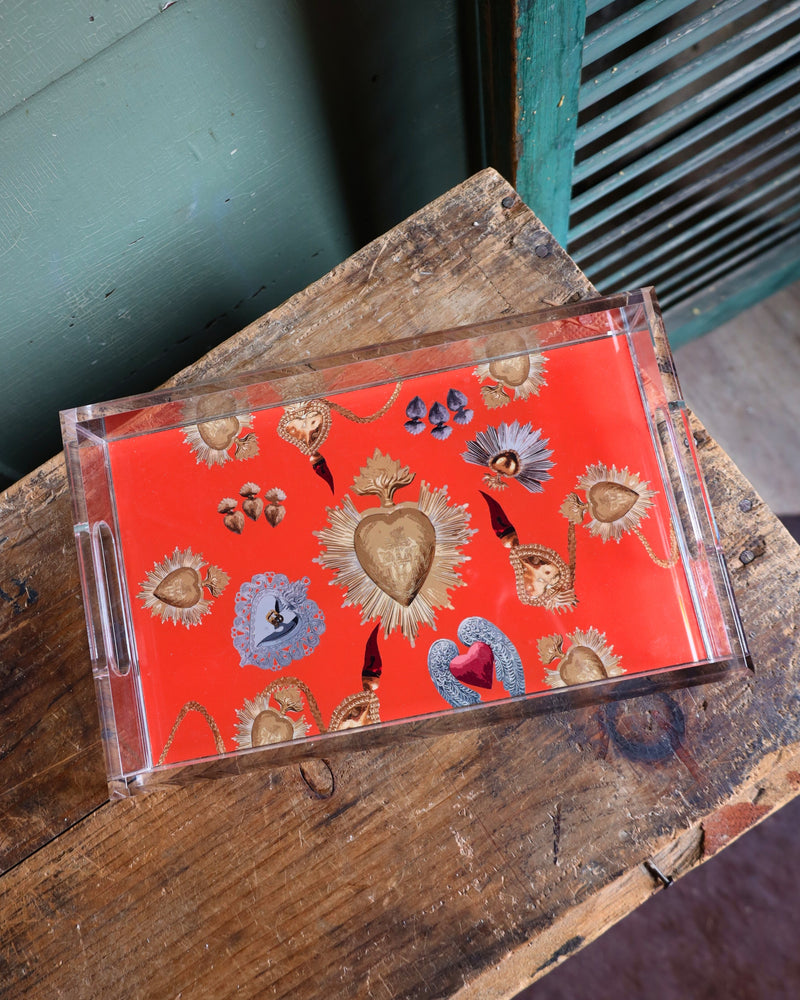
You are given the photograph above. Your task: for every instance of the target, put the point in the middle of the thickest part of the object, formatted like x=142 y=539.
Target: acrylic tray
x=502 y=514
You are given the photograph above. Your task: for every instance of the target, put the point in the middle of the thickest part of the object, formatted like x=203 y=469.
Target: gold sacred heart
x=219 y=434
x=511 y=371
x=181 y=588
x=306 y=425
x=396 y=550
x=610 y=501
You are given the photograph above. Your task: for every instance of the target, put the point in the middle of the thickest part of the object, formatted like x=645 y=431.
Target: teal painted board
x=186 y=178
x=549 y=44
x=42 y=40
x=143 y=194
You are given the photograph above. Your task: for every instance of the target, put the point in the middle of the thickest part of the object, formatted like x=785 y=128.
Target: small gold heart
x=396 y=550
x=269 y=727
x=219 y=434
x=581 y=664
x=610 y=501
x=511 y=371
x=306 y=425
x=181 y=588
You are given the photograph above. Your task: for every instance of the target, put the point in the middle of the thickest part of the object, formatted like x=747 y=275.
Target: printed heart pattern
x=306 y=426
x=490 y=656
x=610 y=501
x=181 y=588
x=219 y=434
x=475 y=667
x=396 y=550
x=511 y=371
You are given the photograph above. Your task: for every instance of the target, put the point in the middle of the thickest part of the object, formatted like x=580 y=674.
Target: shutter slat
x=627 y=26
x=754 y=225
x=678 y=79
x=690 y=166
x=708 y=277
x=732 y=203
x=595 y=6
x=696 y=135
x=672 y=118
x=728 y=231
x=662 y=49
x=649 y=218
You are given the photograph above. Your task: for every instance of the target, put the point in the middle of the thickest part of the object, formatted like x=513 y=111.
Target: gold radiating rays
x=397 y=562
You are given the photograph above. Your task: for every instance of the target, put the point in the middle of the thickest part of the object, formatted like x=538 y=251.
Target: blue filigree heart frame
x=275 y=621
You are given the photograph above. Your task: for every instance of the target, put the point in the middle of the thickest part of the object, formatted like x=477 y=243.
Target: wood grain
x=466 y=864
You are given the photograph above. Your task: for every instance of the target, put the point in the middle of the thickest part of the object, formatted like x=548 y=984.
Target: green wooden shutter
x=659 y=142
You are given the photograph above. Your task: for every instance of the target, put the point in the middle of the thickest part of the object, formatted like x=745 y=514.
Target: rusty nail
x=655 y=871
x=543 y=250
x=747 y=556
x=745 y=505
x=508 y=201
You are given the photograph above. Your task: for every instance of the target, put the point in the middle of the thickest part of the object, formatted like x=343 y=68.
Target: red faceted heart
x=475 y=667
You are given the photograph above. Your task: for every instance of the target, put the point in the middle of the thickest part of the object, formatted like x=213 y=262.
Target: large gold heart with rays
x=395 y=549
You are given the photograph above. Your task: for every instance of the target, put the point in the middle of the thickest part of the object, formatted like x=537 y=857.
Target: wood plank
x=433 y=865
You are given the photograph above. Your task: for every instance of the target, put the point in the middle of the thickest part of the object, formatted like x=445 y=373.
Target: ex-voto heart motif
x=398 y=561
x=490 y=654
x=306 y=426
x=520 y=374
x=216 y=431
x=174 y=589
x=617 y=500
x=589 y=658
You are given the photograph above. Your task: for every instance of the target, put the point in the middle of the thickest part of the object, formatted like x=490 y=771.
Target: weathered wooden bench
x=463 y=865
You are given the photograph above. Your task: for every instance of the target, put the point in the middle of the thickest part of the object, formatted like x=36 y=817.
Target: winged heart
x=475 y=667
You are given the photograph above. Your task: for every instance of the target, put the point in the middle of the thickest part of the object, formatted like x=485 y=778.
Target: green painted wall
x=167 y=177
